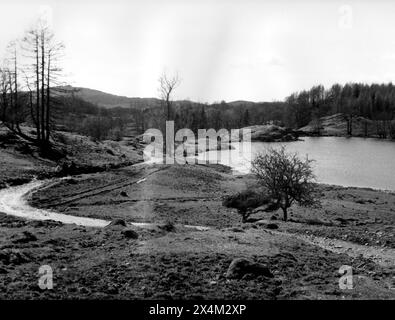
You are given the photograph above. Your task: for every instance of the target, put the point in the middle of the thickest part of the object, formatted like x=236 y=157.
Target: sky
x=221 y=50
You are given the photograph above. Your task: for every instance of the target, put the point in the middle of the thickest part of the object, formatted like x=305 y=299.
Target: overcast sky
x=222 y=50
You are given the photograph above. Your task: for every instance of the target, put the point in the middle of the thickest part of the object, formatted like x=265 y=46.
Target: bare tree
x=286 y=178
x=43 y=55
x=11 y=102
x=167 y=85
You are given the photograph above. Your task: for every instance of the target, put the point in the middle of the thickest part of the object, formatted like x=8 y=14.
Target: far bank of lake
x=357 y=162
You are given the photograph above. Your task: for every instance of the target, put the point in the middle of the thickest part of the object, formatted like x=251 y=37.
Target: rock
x=240 y=267
x=130 y=234
x=110 y=152
x=25 y=237
x=124 y=194
x=272 y=133
x=272 y=226
x=168 y=227
x=117 y=222
x=235 y=229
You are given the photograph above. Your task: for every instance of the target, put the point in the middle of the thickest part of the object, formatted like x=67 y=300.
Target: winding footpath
x=13 y=201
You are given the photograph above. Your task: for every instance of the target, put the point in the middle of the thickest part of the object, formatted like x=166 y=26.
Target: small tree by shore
x=287 y=178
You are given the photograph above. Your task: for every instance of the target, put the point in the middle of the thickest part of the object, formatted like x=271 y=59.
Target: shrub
x=246 y=201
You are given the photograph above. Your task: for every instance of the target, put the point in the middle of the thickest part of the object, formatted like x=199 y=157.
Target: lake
x=358 y=162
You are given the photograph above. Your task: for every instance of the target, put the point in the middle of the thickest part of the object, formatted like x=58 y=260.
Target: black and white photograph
x=197 y=150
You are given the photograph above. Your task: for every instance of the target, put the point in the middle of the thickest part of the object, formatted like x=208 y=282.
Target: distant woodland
x=372 y=102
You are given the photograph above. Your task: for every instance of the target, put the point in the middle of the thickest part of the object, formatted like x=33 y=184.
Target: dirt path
x=13 y=201
x=382 y=256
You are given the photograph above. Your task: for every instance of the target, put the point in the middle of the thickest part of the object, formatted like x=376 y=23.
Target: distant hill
x=107 y=100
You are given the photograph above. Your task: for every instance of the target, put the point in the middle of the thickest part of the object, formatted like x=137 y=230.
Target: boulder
x=272 y=133
x=130 y=234
x=168 y=227
x=272 y=226
x=240 y=267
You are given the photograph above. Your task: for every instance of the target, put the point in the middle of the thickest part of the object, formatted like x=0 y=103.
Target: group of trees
x=193 y=115
x=375 y=102
x=27 y=79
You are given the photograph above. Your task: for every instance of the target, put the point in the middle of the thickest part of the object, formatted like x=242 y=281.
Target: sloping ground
x=336 y=125
x=20 y=161
x=174 y=262
x=108 y=100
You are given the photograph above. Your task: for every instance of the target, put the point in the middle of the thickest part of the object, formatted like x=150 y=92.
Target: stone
x=272 y=226
x=239 y=267
x=117 y=222
x=130 y=234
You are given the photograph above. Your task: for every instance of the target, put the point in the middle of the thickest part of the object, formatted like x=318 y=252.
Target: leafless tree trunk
x=42 y=53
x=166 y=88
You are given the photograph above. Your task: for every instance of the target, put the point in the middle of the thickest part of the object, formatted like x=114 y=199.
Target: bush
x=246 y=201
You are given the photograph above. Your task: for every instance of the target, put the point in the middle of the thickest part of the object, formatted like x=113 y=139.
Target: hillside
x=107 y=100
x=336 y=125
